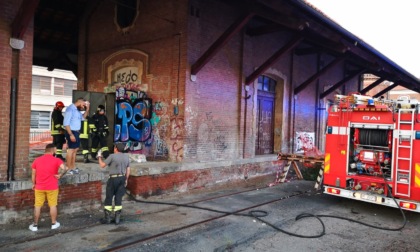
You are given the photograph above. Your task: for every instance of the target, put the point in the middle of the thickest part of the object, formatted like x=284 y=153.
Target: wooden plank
x=220 y=42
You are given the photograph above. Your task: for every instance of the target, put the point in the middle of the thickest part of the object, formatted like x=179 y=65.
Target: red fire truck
x=372 y=151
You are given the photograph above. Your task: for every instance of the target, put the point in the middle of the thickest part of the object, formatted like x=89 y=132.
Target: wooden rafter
x=318 y=74
x=385 y=90
x=371 y=86
x=273 y=59
x=220 y=42
x=342 y=82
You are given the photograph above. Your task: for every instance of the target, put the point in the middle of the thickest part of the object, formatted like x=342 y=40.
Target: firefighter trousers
x=58 y=141
x=115 y=187
x=96 y=140
x=84 y=142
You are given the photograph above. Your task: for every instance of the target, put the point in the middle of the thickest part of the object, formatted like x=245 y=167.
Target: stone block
x=96 y=176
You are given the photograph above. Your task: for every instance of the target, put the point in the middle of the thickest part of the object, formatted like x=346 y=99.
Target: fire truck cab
x=372 y=151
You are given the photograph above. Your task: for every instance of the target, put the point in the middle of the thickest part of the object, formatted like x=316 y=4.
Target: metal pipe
x=12 y=133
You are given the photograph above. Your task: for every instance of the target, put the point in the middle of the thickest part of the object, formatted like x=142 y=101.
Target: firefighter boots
x=86 y=158
x=117 y=217
x=107 y=218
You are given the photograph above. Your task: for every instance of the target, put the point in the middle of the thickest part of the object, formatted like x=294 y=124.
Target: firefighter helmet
x=59 y=104
x=101 y=107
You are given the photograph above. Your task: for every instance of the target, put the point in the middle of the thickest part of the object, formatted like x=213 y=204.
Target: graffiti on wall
x=133 y=111
x=304 y=141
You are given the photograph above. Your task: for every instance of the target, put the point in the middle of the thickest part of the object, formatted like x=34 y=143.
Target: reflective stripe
x=327 y=163
x=84 y=132
x=117 y=208
x=417 y=175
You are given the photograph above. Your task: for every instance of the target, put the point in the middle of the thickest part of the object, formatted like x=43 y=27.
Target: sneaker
x=56 y=225
x=33 y=227
x=73 y=172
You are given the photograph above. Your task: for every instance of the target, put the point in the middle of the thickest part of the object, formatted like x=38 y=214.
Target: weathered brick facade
x=206 y=118
x=15 y=64
x=18 y=203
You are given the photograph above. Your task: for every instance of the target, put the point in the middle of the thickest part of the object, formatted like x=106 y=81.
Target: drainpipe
x=11 y=156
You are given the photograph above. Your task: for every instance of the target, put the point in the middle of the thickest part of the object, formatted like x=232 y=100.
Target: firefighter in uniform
x=119 y=172
x=57 y=129
x=84 y=139
x=99 y=131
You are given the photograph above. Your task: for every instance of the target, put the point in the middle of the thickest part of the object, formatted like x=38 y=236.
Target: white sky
x=392 y=27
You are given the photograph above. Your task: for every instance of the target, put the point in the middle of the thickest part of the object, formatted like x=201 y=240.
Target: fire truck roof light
x=417 y=134
x=333 y=190
x=408 y=205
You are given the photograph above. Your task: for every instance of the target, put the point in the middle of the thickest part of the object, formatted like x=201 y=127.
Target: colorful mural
x=133 y=113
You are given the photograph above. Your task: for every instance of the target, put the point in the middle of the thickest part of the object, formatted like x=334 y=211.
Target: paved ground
x=156 y=227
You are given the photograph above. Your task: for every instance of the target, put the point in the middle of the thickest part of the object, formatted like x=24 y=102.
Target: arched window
x=266 y=84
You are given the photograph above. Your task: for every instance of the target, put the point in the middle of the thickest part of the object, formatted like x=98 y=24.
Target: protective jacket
x=99 y=125
x=57 y=122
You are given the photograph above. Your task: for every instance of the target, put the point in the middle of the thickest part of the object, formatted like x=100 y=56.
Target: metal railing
x=39 y=136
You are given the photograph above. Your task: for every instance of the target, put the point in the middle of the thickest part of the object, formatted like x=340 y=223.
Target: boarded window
x=41 y=85
x=40 y=120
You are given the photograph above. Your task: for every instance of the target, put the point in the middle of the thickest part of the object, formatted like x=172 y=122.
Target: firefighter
x=84 y=139
x=57 y=129
x=99 y=131
x=119 y=172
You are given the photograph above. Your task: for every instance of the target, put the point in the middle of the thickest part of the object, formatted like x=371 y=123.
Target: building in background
x=394 y=94
x=48 y=87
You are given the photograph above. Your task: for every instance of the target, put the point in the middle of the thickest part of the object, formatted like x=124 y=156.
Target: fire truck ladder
x=403 y=172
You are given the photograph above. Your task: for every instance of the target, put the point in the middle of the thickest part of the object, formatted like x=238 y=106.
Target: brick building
x=209 y=91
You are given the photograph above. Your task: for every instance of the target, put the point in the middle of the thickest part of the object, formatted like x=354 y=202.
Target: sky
x=389 y=26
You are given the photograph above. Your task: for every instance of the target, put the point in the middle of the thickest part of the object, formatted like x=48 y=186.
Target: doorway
x=264 y=143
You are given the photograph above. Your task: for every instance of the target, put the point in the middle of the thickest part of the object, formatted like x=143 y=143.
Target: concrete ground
x=161 y=227
x=167 y=227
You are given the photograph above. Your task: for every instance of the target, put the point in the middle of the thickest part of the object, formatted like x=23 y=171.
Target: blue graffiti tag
x=131 y=121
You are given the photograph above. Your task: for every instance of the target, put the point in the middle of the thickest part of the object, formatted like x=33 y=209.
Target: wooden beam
x=273 y=59
x=220 y=42
x=385 y=90
x=342 y=82
x=23 y=17
x=318 y=74
x=308 y=51
x=372 y=85
x=262 y=30
x=267 y=13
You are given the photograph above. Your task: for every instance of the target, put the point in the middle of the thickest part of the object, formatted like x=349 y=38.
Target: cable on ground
x=259 y=214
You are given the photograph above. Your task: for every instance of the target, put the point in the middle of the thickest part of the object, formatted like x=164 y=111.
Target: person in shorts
x=45 y=176
x=72 y=122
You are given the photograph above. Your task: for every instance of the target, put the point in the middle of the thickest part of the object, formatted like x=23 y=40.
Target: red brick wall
x=159 y=32
x=22 y=201
x=22 y=70
x=9 y=9
x=151 y=185
x=214 y=121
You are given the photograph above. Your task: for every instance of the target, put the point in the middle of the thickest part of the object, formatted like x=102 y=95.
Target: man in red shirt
x=45 y=175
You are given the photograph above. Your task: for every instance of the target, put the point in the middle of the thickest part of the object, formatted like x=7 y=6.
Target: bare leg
x=37 y=213
x=70 y=158
x=74 y=157
x=53 y=213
